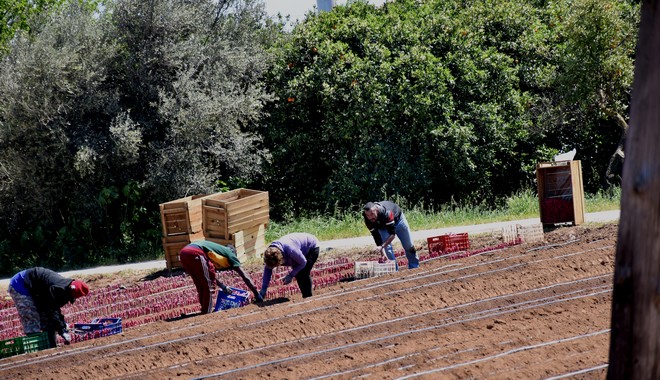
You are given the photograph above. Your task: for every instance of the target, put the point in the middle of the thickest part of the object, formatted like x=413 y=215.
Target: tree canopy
x=439 y=100
x=106 y=112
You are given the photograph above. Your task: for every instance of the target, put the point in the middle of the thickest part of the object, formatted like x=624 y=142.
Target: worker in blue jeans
x=385 y=221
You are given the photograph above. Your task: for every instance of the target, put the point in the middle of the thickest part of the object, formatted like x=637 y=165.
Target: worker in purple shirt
x=298 y=251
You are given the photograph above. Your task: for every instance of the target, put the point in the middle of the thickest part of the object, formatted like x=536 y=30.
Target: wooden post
x=635 y=337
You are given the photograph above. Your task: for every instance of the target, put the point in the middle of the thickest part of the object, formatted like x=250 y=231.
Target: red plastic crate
x=448 y=243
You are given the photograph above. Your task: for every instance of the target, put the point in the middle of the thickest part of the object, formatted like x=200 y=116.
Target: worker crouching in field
x=385 y=220
x=298 y=251
x=39 y=295
x=201 y=258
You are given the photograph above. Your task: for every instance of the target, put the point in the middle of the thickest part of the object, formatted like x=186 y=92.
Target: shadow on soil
x=274 y=301
x=183 y=316
x=163 y=273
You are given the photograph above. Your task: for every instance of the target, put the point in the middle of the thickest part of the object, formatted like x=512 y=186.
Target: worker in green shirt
x=201 y=258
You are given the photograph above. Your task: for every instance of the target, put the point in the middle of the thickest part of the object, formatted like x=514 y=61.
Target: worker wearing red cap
x=38 y=295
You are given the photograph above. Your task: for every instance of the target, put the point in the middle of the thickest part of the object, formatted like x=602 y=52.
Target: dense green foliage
x=106 y=112
x=15 y=14
x=440 y=100
x=104 y=115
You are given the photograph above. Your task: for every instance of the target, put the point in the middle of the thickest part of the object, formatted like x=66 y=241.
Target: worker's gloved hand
x=67 y=338
x=287 y=279
x=225 y=289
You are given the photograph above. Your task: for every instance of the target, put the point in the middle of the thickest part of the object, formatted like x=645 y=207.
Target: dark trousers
x=304 y=277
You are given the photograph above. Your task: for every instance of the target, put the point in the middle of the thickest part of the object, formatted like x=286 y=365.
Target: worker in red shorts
x=201 y=258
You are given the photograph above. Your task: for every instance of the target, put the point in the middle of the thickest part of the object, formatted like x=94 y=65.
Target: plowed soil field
x=530 y=311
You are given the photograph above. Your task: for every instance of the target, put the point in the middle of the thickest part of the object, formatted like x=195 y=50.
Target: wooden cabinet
x=561 y=192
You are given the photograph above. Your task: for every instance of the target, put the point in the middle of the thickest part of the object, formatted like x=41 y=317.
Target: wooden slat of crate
x=182 y=215
x=248 y=221
x=174 y=221
x=237 y=211
x=257 y=217
x=195 y=218
x=247 y=200
x=239 y=238
x=215 y=222
x=221 y=199
x=235 y=198
x=240 y=249
x=172 y=249
x=176 y=238
x=196 y=236
x=256 y=251
x=255 y=241
x=578 y=194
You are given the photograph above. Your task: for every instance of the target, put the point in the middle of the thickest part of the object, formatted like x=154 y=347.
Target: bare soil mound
x=527 y=311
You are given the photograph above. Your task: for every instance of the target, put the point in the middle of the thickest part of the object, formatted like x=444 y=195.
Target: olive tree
x=106 y=113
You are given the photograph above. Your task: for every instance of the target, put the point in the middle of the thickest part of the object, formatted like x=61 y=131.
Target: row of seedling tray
x=166 y=297
x=169 y=297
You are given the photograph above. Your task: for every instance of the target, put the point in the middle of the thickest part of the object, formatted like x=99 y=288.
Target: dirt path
x=529 y=311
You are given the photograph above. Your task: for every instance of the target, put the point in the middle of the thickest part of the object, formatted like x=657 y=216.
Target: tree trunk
x=635 y=337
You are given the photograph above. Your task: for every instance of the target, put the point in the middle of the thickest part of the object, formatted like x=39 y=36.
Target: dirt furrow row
x=494 y=315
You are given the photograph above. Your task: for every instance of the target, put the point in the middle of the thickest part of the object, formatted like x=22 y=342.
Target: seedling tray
x=226 y=301
x=100 y=327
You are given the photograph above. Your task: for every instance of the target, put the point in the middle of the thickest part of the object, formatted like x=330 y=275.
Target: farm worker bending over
x=201 y=258
x=39 y=294
x=298 y=251
x=385 y=220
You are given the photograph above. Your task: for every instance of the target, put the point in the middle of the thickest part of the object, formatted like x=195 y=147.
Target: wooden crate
x=225 y=214
x=182 y=216
x=254 y=240
x=561 y=192
x=248 y=243
x=172 y=245
x=172 y=249
x=238 y=217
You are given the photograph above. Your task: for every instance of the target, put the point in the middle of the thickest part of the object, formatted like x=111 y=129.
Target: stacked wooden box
x=561 y=193
x=238 y=217
x=182 y=223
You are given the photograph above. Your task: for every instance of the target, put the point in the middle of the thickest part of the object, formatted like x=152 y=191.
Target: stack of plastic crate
x=384 y=268
x=532 y=233
x=366 y=269
x=443 y=244
x=23 y=344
